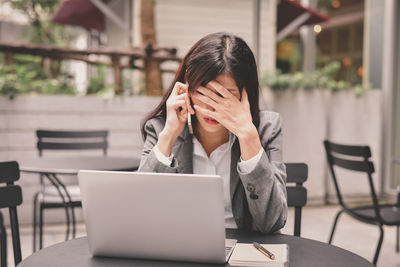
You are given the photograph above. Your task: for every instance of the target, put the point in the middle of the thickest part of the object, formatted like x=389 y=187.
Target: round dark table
x=71 y=165
x=302 y=252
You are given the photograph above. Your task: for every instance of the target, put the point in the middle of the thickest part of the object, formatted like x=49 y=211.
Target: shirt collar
x=199 y=150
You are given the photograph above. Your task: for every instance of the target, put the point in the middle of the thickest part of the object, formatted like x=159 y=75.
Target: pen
x=264 y=251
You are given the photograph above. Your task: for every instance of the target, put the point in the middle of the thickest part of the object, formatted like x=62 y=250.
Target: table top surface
x=72 y=164
x=302 y=252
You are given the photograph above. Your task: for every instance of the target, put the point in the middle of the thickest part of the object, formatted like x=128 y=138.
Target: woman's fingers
x=210 y=93
x=178 y=103
x=181 y=96
x=186 y=98
x=205 y=111
x=207 y=100
x=189 y=106
x=177 y=108
x=179 y=88
x=182 y=115
x=180 y=92
x=220 y=89
x=181 y=109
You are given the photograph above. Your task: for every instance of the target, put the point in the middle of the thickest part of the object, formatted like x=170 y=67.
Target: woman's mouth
x=211 y=121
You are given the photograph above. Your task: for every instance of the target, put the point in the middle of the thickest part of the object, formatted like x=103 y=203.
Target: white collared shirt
x=219 y=163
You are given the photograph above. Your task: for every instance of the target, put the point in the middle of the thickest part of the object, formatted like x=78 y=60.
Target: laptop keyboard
x=227 y=250
x=229 y=247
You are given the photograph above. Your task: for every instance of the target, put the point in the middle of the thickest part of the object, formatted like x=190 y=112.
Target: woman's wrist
x=166 y=140
x=249 y=141
x=247 y=132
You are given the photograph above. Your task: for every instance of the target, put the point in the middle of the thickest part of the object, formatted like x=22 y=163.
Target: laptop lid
x=154 y=215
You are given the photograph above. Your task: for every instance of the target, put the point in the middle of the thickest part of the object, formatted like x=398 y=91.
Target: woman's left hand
x=232 y=113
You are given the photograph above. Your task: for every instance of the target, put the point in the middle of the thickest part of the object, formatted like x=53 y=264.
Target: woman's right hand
x=178 y=106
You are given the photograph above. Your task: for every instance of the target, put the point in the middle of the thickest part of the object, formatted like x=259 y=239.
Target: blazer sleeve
x=149 y=161
x=265 y=185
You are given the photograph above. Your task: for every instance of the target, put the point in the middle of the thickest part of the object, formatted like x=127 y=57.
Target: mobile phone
x=190 y=123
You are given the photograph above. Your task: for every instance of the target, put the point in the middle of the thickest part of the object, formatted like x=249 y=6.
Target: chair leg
x=67 y=221
x=67 y=204
x=397 y=238
x=41 y=227
x=73 y=222
x=58 y=185
x=378 y=248
x=41 y=215
x=334 y=226
x=16 y=241
x=35 y=204
x=3 y=245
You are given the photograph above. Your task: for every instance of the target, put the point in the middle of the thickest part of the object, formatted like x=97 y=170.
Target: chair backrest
x=11 y=197
x=297 y=174
x=72 y=140
x=353 y=158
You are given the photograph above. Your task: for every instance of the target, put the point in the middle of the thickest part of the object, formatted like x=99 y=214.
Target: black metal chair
x=297 y=173
x=357 y=158
x=59 y=195
x=10 y=197
x=3 y=242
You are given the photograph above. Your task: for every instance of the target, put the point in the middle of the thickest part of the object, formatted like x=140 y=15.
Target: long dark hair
x=215 y=54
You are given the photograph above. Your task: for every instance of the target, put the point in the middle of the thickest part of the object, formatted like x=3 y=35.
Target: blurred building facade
x=14 y=25
x=362 y=35
x=391 y=90
x=357 y=35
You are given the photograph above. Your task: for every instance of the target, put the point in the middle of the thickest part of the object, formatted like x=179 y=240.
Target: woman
x=231 y=137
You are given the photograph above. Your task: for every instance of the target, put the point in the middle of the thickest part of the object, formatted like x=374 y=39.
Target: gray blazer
x=259 y=197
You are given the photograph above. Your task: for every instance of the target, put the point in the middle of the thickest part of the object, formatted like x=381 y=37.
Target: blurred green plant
x=32 y=74
x=26 y=76
x=323 y=78
x=127 y=84
x=97 y=84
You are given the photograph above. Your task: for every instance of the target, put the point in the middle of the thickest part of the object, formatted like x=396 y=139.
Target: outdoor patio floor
x=351 y=235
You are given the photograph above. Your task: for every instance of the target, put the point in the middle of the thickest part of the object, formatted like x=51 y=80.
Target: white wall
x=181 y=24
x=10 y=32
x=20 y=118
x=268 y=35
x=117 y=37
x=310 y=116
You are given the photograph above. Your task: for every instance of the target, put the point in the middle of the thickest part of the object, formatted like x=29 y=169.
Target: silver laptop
x=155 y=216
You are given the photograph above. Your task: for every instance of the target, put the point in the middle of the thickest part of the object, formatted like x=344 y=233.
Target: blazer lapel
x=184 y=151
x=235 y=156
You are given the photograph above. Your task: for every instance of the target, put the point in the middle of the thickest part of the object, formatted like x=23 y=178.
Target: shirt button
x=253 y=196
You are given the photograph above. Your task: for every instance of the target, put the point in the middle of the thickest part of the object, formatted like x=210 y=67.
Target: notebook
x=247 y=255
x=162 y=216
